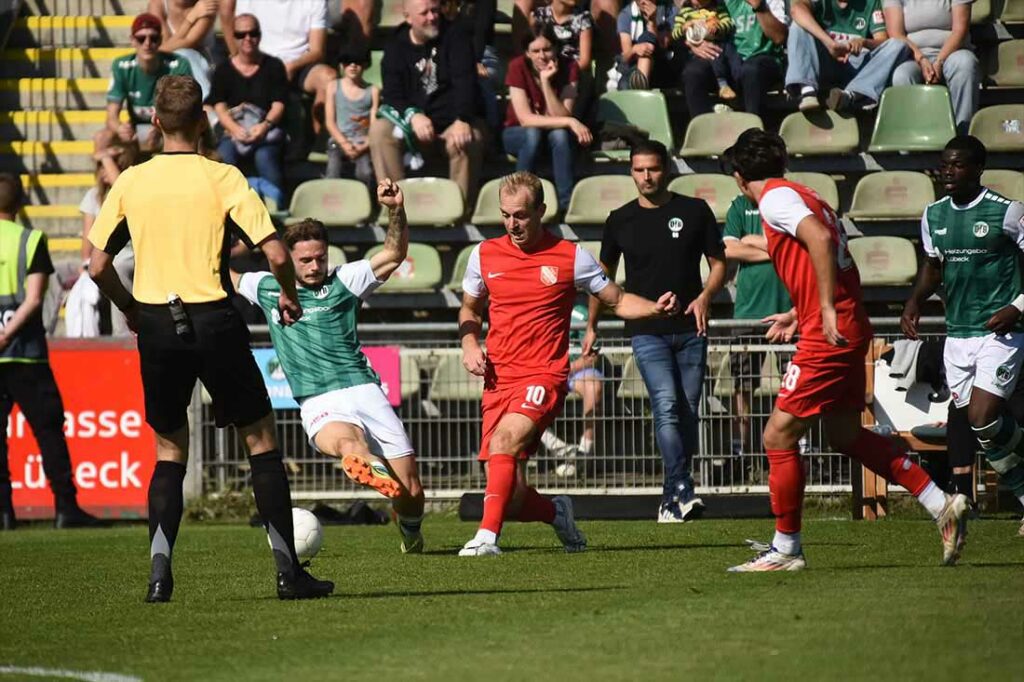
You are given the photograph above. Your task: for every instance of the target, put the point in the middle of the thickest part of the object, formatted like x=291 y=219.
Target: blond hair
x=511 y=184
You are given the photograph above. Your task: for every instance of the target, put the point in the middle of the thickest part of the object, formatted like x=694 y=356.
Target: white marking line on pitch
x=85 y=675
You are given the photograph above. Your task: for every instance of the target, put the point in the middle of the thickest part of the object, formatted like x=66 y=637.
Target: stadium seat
x=459 y=271
x=712 y=134
x=391 y=15
x=1007 y=68
x=722 y=384
x=421 y=271
x=595 y=197
x=372 y=74
x=819 y=132
x=451 y=381
x=1000 y=127
x=336 y=203
x=430 y=202
x=884 y=261
x=1008 y=183
x=771 y=375
x=488 y=212
x=1013 y=12
x=981 y=11
x=645 y=109
x=823 y=184
x=632 y=384
x=891 y=195
x=913 y=118
x=715 y=188
x=410 y=369
x=335 y=256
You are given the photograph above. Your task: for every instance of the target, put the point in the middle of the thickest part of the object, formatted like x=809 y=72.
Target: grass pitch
x=646 y=602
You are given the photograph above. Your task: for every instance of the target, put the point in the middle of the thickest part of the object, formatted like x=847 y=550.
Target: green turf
x=646 y=602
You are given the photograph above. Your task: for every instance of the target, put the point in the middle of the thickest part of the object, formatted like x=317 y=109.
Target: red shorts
x=541 y=400
x=824 y=381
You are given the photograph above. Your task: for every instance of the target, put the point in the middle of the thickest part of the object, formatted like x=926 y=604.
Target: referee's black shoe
x=160 y=590
x=299 y=584
x=76 y=517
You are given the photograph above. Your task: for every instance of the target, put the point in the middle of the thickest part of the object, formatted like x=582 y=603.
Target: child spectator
x=645 y=33
x=350 y=106
x=705 y=22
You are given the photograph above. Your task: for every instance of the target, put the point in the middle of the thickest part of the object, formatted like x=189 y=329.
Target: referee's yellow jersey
x=179 y=209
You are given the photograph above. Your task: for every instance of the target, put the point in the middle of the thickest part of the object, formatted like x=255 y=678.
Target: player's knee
x=504 y=442
x=984 y=415
x=776 y=439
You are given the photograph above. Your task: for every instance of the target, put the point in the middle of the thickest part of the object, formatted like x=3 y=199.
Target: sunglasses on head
x=254 y=34
x=148 y=37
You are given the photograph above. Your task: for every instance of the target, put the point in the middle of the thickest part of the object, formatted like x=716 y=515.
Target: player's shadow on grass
x=461 y=593
x=706 y=545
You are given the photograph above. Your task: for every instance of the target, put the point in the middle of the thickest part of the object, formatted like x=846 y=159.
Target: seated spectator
x=430 y=97
x=573 y=29
x=476 y=17
x=352 y=20
x=645 y=34
x=843 y=44
x=603 y=15
x=351 y=105
x=188 y=25
x=706 y=28
x=541 y=94
x=132 y=82
x=248 y=94
x=296 y=33
x=752 y=59
x=939 y=36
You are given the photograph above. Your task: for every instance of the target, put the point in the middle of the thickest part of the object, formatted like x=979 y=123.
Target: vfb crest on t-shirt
x=322 y=292
x=675 y=225
x=1004 y=374
x=980 y=229
x=548 y=274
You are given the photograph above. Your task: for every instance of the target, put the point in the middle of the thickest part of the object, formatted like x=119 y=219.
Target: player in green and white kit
x=972 y=241
x=344 y=410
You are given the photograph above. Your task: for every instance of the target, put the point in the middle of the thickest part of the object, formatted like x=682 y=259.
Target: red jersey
x=531 y=298
x=783 y=205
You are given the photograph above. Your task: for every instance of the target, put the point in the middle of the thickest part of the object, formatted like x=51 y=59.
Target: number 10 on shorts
x=535 y=395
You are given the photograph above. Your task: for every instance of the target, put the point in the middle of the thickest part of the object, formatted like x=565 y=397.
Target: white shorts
x=992 y=363
x=364 y=406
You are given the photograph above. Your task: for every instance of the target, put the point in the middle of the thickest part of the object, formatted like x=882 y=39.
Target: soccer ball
x=309 y=537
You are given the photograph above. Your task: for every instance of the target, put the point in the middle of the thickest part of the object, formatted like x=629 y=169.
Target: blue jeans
x=266 y=158
x=524 y=144
x=865 y=74
x=672 y=367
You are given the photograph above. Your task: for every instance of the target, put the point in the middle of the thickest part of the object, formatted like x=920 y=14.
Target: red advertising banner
x=113 y=451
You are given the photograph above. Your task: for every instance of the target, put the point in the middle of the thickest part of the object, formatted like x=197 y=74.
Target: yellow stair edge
x=71 y=116
x=36 y=147
x=85 y=180
x=52 y=211
x=65 y=244
x=34 y=54
x=56 y=84
x=68 y=22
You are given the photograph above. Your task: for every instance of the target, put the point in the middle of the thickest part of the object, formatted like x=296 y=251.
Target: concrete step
x=85 y=8
x=71 y=31
x=61 y=62
x=56 y=221
x=46 y=157
x=52 y=126
x=53 y=93
x=57 y=188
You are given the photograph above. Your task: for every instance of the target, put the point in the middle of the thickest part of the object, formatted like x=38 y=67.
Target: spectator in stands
x=188 y=25
x=477 y=18
x=573 y=29
x=296 y=33
x=939 y=36
x=352 y=20
x=603 y=18
x=706 y=28
x=248 y=95
x=351 y=105
x=843 y=44
x=645 y=34
x=541 y=93
x=133 y=81
x=430 y=97
x=754 y=63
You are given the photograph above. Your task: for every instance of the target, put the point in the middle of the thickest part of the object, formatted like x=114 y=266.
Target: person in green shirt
x=133 y=84
x=345 y=412
x=759 y=293
x=843 y=44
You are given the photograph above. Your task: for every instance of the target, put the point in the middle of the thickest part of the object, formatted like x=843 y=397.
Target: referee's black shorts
x=217 y=354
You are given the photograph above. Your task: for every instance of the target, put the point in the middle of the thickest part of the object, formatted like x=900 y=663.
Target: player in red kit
x=528 y=280
x=826 y=378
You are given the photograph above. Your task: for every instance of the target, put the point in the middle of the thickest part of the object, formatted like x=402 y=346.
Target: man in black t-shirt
x=663 y=236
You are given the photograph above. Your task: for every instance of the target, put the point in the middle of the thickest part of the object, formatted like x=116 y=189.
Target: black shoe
x=76 y=517
x=160 y=590
x=299 y=584
x=7 y=520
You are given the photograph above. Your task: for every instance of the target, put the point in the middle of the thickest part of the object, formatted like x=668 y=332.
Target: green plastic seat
x=823 y=184
x=819 y=132
x=421 y=271
x=884 y=261
x=451 y=381
x=716 y=189
x=645 y=109
x=1006 y=69
x=488 y=210
x=891 y=195
x=1013 y=12
x=1008 y=183
x=391 y=14
x=335 y=256
x=430 y=202
x=712 y=134
x=1000 y=127
x=372 y=74
x=410 y=369
x=334 y=202
x=632 y=385
x=459 y=271
x=913 y=118
x=595 y=197
x=981 y=12
x=771 y=375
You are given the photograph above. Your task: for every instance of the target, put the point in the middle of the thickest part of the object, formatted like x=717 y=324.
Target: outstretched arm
x=632 y=307
x=396 y=241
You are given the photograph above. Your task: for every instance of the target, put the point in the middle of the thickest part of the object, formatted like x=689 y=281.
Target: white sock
x=551 y=441
x=487 y=536
x=807 y=90
x=586 y=445
x=933 y=499
x=722 y=83
x=787 y=543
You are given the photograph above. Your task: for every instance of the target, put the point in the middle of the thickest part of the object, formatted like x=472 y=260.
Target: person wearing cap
x=132 y=84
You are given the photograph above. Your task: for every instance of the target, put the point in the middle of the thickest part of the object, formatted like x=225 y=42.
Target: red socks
x=786 y=481
x=885 y=458
x=501 y=481
x=536 y=507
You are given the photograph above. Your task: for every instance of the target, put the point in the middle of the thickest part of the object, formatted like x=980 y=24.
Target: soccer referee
x=179 y=211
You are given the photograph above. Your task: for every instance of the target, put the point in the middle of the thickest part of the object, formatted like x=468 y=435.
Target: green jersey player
x=344 y=410
x=972 y=241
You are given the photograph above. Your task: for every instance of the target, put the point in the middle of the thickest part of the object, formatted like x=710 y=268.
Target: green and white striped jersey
x=980 y=247
x=320 y=352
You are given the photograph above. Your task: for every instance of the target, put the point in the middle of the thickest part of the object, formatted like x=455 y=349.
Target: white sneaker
x=809 y=102
x=772 y=560
x=952 y=523
x=669 y=512
x=479 y=548
x=565 y=525
x=692 y=509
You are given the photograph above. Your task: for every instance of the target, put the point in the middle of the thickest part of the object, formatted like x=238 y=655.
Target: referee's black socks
x=166 y=503
x=274 y=504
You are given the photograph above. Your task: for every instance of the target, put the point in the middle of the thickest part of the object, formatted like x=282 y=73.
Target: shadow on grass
x=453 y=593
